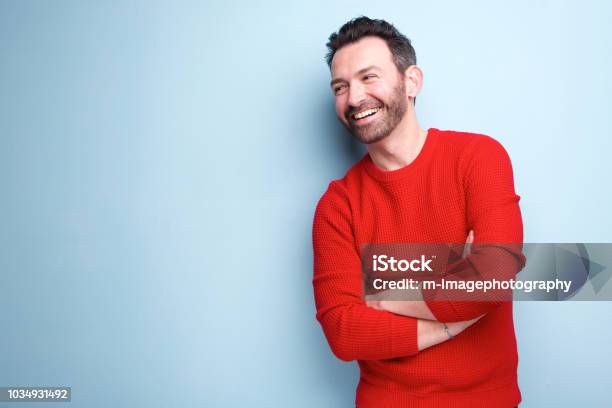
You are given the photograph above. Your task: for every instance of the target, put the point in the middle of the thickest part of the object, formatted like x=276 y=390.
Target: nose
x=356 y=95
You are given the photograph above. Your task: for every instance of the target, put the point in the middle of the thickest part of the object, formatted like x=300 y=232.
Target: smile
x=365 y=113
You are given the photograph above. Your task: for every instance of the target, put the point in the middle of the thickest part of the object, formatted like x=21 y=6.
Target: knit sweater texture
x=458 y=182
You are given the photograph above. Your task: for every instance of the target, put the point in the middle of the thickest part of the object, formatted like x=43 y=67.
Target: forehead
x=366 y=52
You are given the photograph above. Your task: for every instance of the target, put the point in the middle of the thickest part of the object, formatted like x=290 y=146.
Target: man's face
x=370 y=92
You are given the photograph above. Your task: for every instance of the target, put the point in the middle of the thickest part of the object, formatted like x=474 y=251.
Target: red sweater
x=458 y=182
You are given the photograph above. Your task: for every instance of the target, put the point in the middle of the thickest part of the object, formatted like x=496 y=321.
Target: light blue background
x=160 y=163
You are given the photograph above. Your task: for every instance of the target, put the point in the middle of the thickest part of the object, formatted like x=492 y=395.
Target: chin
x=370 y=139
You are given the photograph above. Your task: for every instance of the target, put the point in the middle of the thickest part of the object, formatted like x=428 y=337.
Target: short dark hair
x=357 y=28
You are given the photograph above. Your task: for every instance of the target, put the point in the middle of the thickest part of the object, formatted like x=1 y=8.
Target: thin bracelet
x=450 y=336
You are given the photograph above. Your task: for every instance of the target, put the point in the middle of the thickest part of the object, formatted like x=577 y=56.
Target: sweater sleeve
x=353 y=330
x=492 y=211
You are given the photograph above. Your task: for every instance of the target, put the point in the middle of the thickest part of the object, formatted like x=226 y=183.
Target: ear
x=413 y=78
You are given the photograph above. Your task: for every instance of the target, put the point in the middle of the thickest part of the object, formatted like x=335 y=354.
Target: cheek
x=381 y=90
x=341 y=107
x=380 y=93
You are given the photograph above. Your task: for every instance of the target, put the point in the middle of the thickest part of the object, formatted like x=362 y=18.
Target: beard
x=389 y=116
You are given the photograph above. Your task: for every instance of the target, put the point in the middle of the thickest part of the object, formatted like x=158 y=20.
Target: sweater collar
x=423 y=156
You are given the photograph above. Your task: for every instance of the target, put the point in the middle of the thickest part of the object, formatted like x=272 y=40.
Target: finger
x=476 y=319
x=467 y=248
x=374 y=304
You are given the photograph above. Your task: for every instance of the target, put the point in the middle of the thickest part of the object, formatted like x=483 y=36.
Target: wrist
x=430 y=333
x=447 y=331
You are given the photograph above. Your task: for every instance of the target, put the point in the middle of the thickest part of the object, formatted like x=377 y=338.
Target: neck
x=401 y=147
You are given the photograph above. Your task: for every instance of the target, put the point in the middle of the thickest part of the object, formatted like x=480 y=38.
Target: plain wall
x=160 y=163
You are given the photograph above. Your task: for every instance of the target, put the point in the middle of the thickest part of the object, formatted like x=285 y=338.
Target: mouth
x=365 y=116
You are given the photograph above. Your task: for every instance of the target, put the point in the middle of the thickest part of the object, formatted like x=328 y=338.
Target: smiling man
x=413 y=186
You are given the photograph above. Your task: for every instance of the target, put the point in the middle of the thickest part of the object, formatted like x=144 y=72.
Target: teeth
x=365 y=113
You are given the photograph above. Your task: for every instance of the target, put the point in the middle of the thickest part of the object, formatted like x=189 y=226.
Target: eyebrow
x=360 y=72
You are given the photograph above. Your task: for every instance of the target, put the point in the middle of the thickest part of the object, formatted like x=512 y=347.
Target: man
x=413 y=185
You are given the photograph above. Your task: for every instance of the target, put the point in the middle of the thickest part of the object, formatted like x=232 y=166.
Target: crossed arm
x=354 y=330
x=430 y=331
x=416 y=308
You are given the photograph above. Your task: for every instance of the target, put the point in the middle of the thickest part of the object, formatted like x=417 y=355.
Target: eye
x=369 y=76
x=339 y=89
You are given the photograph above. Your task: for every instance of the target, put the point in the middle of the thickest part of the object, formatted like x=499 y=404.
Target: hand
x=457 y=327
x=430 y=333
